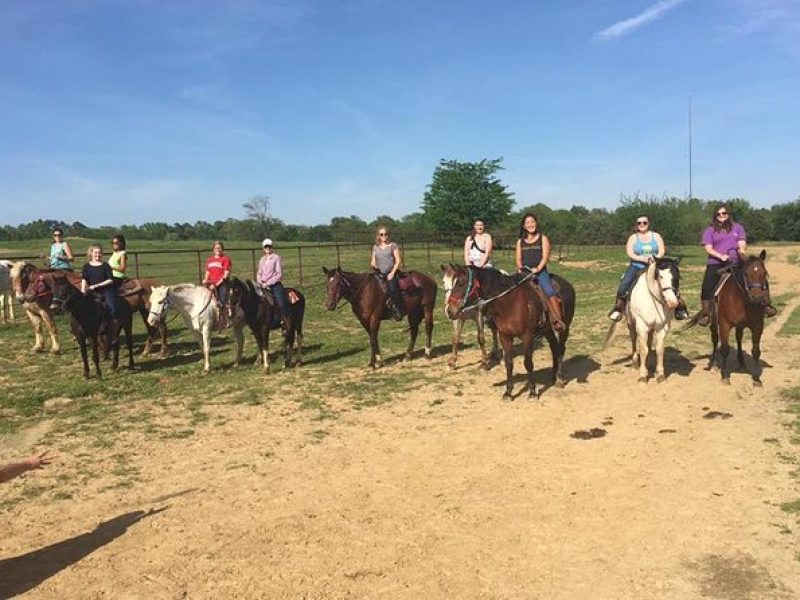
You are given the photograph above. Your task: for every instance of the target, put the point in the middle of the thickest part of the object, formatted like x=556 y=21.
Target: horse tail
x=611 y=330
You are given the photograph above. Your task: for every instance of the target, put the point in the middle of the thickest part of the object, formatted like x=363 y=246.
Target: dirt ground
x=443 y=495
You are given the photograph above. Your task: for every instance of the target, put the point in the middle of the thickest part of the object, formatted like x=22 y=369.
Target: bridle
x=164 y=304
x=474 y=284
x=750 y=285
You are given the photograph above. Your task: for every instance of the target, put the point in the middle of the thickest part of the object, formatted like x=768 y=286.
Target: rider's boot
x=681 y=311
x=615 y=314
x=705 y=317
x=556 y=319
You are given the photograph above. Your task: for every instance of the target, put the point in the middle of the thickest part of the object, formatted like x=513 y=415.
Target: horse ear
x=677 y=260
x=763 y=255
x=325 y=269
x=442 y=268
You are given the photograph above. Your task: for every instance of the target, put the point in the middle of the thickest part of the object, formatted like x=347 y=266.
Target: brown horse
x=368 y=299
x=518 y=310
x=37 y=303
x=136 y=292
x=740 y=304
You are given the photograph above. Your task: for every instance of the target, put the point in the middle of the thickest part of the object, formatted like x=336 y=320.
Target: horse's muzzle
x=452 y=312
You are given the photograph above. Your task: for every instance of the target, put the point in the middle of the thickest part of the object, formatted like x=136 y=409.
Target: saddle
x=726 y=273
x=267 y=294
x=545 y=316
x=129 y=287
x=404 y=282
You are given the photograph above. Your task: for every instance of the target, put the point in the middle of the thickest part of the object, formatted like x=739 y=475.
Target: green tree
x=464 y=191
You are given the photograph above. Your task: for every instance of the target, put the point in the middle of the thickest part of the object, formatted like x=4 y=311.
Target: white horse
x=6 y=296
x=477 y=314
x=649 y=312
x=200 y=312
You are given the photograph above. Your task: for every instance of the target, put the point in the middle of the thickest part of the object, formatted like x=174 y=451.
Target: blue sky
x=126 y=111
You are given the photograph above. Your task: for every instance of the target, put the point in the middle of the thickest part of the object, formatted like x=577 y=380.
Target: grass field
x=334 y=344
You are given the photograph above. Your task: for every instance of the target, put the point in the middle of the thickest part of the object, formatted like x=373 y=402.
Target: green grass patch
x=792 y=324
x=792 y=507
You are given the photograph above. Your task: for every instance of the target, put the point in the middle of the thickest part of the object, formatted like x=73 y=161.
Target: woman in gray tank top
x=386 y=260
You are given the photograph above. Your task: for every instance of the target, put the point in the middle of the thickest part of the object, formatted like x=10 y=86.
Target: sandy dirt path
x=440 y=495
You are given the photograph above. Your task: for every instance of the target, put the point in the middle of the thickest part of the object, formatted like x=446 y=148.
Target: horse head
x=334 y=286
x=237 y=290
x=756 y=279
x=668 y=277
x=20 y=274
x=159 y=303
x=464 y=289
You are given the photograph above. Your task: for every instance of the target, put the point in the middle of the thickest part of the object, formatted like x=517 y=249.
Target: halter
x=164 y=304
x=473 y=285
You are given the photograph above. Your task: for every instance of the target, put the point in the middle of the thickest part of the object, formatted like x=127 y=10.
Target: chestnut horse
x=518 y=310
x=368 y=299
x=261 y=316
x=37 y=303
x=740 y=304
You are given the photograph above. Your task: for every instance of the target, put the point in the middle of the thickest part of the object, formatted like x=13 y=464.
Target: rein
x=483 y=302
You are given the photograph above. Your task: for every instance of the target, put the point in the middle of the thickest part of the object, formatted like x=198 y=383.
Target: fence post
x=199 y=268
x=253 y=253
x=136 y=263
x=428 y=248
x=452 y=252
x=300 y=264
x=338 y=256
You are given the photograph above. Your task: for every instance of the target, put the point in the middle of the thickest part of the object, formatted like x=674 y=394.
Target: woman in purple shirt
x=725 y=241
x=270 y=273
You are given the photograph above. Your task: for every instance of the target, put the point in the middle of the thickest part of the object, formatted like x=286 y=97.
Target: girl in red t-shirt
x=218 y=270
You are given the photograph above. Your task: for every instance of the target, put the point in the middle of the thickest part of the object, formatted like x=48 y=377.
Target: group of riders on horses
x=724 y=241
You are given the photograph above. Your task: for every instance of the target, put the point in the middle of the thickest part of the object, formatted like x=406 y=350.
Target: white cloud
x=649 y=15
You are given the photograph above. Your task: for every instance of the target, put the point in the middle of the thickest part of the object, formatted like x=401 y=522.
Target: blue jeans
x=626 y=283
x=543 y=280
x=109 y=294
x=279 y=293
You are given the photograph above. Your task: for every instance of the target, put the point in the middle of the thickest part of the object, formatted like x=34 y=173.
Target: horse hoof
x=726 y=381
x=407 y=357
x=485 y=366
x=757 y=383
x=55 y=351
x=641 y=380
x=532 y=396
x=560 y=384
x=661 y=379
x=508 y=396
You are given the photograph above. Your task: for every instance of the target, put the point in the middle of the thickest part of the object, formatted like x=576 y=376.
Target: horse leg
x=714 y=329
x=129 y=341
x=739 y=352
x=204 y=338
x=458 y=324
x=635 y=358
x=36 y=325
x=114 y=338
x=376 y=362
x=298 y=336
x=428 y=312
x=414 y=319
x=528 y=361
x=150 y=332
x=239 y=340
x=756 y=331
x=480 y=324
x=288 y=343
x=558 y=357
x=55 y=347
x=96 y=355
x=508 y=343
x=495 y=342
x=84 y=355
x=265 y=351
x=724 y=350
x=659 y=339
x=643 y=335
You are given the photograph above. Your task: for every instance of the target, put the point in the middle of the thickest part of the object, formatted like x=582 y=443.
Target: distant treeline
x=680 y=221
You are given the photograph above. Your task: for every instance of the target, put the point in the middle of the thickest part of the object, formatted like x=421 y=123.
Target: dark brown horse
x=518 y=310
x=90 y=319
x=262 y=316
x=740 y=304
x=367 y=297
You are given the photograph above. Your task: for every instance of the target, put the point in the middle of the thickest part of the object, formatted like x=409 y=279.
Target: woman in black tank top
x=532 y=254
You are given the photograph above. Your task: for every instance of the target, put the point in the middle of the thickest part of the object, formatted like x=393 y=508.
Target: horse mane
x=178 y=287
x=673 y=269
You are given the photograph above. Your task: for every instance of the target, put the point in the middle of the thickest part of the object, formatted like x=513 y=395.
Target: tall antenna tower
x=690 y=146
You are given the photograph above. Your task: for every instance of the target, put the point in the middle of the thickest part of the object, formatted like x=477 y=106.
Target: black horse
x=262 y=315
x=518 y=310
x=90 y=319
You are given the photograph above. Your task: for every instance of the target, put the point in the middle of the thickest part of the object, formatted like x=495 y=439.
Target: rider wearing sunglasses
x=643 y=247
x=386 y=260
x=725 y=242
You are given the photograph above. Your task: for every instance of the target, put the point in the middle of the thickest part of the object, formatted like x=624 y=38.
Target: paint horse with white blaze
x=199 y=311
x=473 y=313
x=649 y=312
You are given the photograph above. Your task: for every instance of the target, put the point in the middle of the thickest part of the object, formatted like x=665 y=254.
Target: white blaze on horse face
x=665 y=282
x=448 y=282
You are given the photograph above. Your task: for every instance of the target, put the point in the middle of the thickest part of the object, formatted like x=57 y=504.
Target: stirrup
x=704 y=320
x=615 y=314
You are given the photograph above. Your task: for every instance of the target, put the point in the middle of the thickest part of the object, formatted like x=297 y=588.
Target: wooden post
x=199 y=268
x=300 y=264
x=253 y=253
x=338 y=256
x=428 y=248
x=136 y=263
